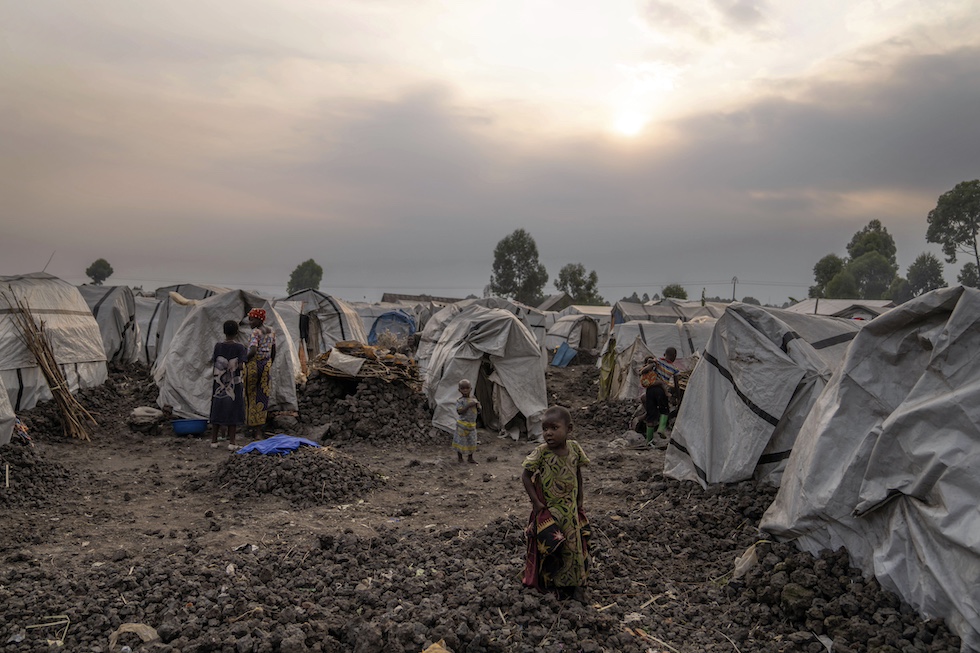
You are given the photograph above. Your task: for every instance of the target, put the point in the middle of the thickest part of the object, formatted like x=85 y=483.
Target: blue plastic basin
x=189 y=426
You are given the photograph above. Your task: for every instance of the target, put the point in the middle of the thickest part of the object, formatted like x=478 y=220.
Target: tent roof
x=840 y=307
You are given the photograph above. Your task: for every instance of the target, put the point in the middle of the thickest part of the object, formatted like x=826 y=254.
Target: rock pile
x=33 y=481
x=365 y=409
x=307 y=477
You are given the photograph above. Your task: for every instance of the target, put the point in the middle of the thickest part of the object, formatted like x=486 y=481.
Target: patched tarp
x=7 y=416
x=887 y=464
x=114 y=308
x=746 y=400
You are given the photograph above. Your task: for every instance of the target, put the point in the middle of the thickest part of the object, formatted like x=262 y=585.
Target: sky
x=396 y=142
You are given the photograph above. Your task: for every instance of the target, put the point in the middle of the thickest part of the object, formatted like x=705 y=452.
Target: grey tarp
x=579 y=331
x=71 y=330
x=114 y=308
x=183 y=373
x=7 y=416
x=150 y=312
x=887 y=464
x=761 y=371
x=336 y=320
x=518 y=385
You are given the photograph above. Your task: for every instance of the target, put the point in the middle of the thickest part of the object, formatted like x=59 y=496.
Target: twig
x=647 y=635
x=245 y=614
x=735 y=646
x=606 y=607
x=501 y=613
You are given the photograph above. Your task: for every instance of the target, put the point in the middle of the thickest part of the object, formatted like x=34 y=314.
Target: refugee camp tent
x=7 y=417
x=635 y=341
x=859 y=309
x=497 y=353
x=437 y=323
x=190 y=290
x=114 y=308
x=183 y=372
x=886 y=463
x=150 y=312
x=601 y=314
x=556 y=302
x=399 y=324
x=580 y=332
x=746 y=400
x=332 y=319
x=71 y=330
x=666 y=310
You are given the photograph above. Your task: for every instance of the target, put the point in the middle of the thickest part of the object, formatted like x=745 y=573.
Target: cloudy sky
x=397 y=141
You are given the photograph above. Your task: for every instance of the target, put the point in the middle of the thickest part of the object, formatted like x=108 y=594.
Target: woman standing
x=258 y=387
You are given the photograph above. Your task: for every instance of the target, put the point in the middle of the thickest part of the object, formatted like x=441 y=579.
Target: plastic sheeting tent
x=398 y=323
x=331 y=320
x=183 y=373
x=886 y=465
x=7 y=417
x=499 y=355
x=150 y=313
x=114 y=308
x=748 y=396
x=578 y=331
x=71 y=329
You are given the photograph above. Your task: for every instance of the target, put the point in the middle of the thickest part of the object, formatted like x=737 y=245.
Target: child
x=466 y=409
x=558 y=533
x=227 y=390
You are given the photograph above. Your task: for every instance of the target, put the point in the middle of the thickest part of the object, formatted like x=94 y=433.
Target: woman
x=258 y=387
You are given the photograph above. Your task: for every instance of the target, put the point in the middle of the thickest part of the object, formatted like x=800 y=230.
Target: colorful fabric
x=464 y=440
x=257 y=313
x=556 y=478
x=666 y=370
x=257 y=390
x=263 y=340
x=227 y=385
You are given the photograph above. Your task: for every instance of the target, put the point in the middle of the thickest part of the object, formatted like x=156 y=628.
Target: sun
x=629 y=123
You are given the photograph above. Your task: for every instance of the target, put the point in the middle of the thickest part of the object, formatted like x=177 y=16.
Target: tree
x=826 y=269
x=99 y=271
x=873 y=274
x=675 y=290
x=873 y=238
x=955 y=221
x=583 y=289
x=751 y=300
x=307 y=274
x=517 y=274
x=899 y=291
x=969 y=276
x=842 y=286
x=925 y=274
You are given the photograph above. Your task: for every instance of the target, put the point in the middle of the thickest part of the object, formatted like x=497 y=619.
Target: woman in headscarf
x=258 y=387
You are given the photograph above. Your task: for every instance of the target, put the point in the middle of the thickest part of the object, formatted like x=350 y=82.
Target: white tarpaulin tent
x=748 y=396
x=71 y=329
x=150 y=312
x=183 y=373
x=887 y=464
x=579 y=331
x=7 y=416
x=501 y=358
x=334 y=320
x=114 y=308
x=601 y=314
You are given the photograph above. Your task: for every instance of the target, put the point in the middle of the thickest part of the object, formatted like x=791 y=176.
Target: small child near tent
x=227 y=388
x=467 y=407
x=558 y=530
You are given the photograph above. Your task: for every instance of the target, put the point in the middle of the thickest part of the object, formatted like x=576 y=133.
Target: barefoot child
x=557 y=553
x=227 y=390
x=466 y=410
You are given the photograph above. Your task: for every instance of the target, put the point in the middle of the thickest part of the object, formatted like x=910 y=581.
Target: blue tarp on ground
x=278 y=444
x=563 y=356
x=399 y=323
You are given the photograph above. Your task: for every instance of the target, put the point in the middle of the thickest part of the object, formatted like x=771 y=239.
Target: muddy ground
x=387 y=544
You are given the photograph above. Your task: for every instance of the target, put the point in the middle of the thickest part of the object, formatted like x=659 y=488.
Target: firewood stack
x=378 y=363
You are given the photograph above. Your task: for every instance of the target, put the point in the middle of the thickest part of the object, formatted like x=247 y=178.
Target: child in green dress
x=558 y=533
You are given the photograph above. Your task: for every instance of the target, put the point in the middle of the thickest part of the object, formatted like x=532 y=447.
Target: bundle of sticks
x=75 y=420
x=378 y=364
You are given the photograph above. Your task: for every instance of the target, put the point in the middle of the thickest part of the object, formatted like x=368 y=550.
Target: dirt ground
x=135 y=528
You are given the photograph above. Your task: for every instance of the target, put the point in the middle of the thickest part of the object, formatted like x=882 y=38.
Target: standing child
x=227 y=389
x=557 y=532
x=466 y=410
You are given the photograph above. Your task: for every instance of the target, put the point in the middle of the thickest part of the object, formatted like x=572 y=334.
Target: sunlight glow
x=629 y=123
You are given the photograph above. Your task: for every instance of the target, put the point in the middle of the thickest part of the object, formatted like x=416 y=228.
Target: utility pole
x=734 y=281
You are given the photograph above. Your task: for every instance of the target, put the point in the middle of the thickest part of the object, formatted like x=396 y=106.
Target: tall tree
x=99 y=271
x=969 y=275
x=826 y=269
x=899 y=291
x=955 y=221
x=925 y=274
x=873 y=238
x=517 y=274
x=843 y=286
x=581 y=287
x=675 y=290
x=307 y=274
x=873 y=273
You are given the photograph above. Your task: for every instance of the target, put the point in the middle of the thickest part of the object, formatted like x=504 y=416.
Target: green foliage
x=99 y=271
x=675 y=290
x=581 y=287
x=751 y=300
x=826 y=269
x=969 y=276
x=873 y=273
x=307 y=274
x=955 y=221
x=517 y=274
x=842 y=286
x=925 y=274
x=899 y=291
x=873 y=238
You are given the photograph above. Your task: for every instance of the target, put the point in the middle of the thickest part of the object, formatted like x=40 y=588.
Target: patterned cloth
x=556 y=478
x=258 y=386
x=227 y=387
x=464 y=440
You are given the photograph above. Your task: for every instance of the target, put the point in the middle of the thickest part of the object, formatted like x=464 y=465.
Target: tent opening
x=484 y=394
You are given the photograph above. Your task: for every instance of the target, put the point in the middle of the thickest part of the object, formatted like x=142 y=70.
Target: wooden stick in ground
x=75 y=419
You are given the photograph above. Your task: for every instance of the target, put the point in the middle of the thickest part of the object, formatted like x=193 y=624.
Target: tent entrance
x=483 y=391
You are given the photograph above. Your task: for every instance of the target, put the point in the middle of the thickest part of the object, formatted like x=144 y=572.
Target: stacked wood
x=379 y=363
x=75 y=420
